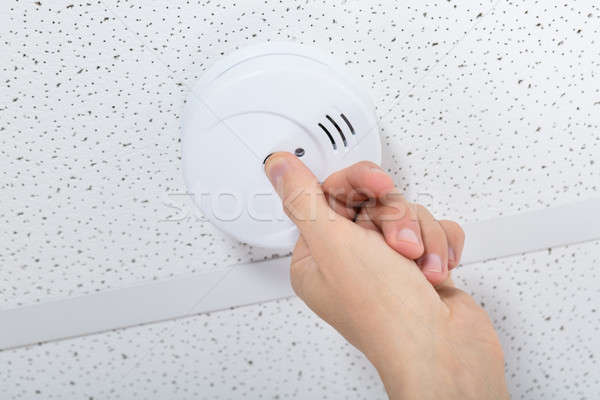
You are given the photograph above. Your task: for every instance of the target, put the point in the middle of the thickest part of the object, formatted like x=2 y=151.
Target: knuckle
x=421 y=210
x=297 y=205
x=434 y=234
x=439 y=234
x=291 y=204
x=394 y=198
x=461 y=232
x=393 y=214
x=456 y=230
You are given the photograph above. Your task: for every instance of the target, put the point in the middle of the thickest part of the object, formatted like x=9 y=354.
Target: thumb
x=303 y=199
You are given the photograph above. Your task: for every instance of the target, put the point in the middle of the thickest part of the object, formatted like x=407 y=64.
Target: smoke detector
x=257 y=101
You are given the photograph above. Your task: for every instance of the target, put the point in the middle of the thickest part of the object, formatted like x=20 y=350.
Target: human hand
x=365 y=194
x=425 y=342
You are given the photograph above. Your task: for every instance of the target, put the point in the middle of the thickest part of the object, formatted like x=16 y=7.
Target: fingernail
x=432 y=263
x=451 y=254
x=275 y=168
x=408 y=236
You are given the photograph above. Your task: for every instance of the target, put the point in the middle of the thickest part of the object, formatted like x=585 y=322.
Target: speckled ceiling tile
x=544 y=305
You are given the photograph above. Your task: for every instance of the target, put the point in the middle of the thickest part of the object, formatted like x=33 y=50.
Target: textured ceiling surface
x=486 y=108
x=544 y=304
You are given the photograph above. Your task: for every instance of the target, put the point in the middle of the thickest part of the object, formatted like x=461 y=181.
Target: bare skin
x=376 y=268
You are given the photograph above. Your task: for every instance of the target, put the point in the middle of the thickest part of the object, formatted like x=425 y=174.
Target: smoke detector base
x=257 y=101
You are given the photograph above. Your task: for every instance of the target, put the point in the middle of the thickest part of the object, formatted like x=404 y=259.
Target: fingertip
x=270 y=158
x=452 y=259
x=407 y=250
x=436 y=279
x=290 y=177
x=456 y=240
x=276 y=166
x=434 y=268
x=407 y=242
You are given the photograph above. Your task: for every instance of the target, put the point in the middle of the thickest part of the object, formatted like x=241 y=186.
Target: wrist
x=397 y=368
x=399 y=381
x=412 y=369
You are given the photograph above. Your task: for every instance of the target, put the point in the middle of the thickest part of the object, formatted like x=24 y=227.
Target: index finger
x=358 y=183
x=390 y=212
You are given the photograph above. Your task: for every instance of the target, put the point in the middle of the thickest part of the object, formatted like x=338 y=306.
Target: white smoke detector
x=257 y=101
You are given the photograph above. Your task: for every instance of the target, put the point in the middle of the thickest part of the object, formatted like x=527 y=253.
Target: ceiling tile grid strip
x=252 y=283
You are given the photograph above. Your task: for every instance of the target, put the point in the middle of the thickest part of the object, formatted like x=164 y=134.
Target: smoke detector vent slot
x=329 y=136
x=339 y=130
x=348 y=123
